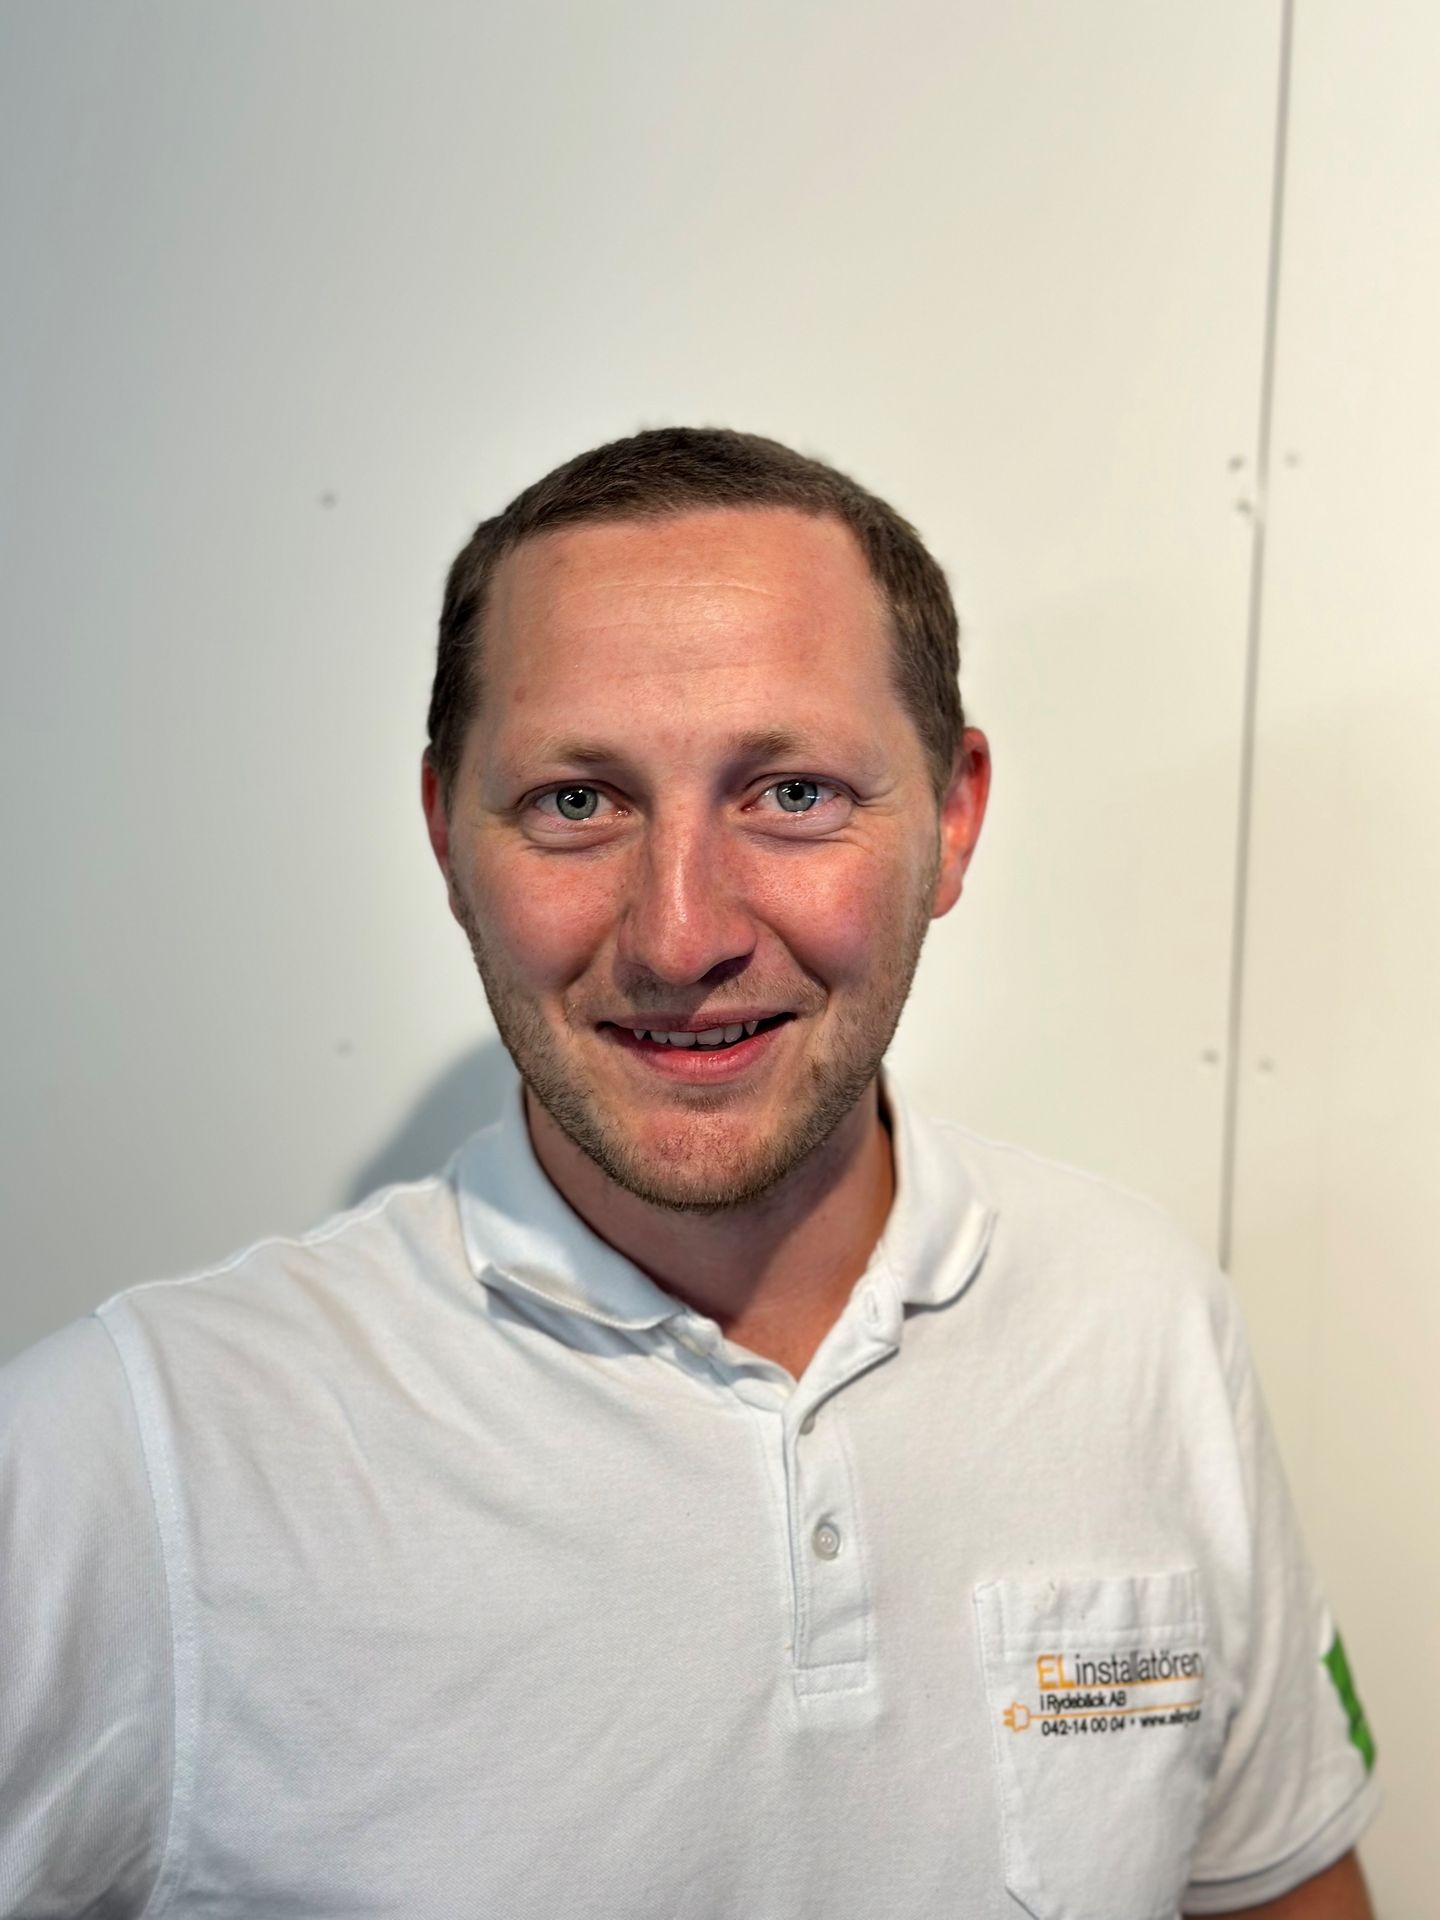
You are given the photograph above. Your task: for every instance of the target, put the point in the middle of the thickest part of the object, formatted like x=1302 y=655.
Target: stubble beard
x=699 y=1169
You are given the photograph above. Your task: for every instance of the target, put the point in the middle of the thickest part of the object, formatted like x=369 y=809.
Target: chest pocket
x=1104 y=1744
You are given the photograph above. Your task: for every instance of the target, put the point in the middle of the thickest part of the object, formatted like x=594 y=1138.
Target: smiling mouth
x=719 y=1039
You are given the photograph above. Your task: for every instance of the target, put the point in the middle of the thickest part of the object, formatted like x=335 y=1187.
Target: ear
x=962 y=813
x=437 y=822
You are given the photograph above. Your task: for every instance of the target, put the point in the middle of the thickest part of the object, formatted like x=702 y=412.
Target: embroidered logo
x=1338 y=1667
x=1131 y=1690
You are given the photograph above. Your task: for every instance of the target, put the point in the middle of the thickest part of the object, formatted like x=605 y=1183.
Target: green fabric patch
x=1360 y=1734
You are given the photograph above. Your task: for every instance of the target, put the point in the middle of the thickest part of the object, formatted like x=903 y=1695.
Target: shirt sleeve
x=1295 y=1786
x=85 y=1690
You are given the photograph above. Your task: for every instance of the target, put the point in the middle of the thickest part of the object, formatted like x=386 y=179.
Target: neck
x=773 y=1275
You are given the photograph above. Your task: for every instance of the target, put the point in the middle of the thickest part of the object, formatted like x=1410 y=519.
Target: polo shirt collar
x=940 y=1221
x=520 y=1232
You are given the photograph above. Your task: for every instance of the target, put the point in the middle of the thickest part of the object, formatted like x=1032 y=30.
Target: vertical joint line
x=1252 y=641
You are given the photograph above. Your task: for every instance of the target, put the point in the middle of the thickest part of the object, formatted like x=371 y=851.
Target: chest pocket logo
x=1104 y=1746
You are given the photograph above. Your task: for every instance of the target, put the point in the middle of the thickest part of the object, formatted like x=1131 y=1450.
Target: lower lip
x=699 y=1066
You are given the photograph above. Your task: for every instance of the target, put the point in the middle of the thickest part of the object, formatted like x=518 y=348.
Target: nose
x=684 y=915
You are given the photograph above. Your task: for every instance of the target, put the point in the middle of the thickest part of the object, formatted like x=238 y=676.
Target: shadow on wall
x=467 y=1096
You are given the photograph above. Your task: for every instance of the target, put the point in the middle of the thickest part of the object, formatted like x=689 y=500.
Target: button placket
x=832 y=1604
x=831 y=1627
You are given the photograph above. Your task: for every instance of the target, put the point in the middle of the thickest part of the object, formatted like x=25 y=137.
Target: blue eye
x=797 y=796
x=576 y=803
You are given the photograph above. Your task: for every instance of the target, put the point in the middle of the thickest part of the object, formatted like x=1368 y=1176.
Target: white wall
x=1337 y=1243
x=300 y=292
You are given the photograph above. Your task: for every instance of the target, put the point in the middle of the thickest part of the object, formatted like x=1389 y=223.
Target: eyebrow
x=767 y=743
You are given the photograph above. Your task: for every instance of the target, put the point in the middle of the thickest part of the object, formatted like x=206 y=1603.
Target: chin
x=697 y=1163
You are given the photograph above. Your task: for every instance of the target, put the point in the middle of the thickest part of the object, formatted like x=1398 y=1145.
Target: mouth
x=684 y=1051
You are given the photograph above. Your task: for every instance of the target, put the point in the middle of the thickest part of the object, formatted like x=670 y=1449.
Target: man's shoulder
x=364 y=1262
x=1015 y=1176
x=1063 y=1224
x=64 y=1391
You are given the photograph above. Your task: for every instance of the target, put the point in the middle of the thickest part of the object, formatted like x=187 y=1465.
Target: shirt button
x=826 y=1540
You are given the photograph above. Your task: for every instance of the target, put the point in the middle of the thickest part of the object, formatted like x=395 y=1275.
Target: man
x=722 y=1492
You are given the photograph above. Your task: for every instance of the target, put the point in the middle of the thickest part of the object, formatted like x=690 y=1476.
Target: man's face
x=691 y=801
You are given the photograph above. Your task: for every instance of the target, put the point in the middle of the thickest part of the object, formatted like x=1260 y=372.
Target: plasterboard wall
x=1336 y=1242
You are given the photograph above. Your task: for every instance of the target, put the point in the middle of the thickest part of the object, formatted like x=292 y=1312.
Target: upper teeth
x=710 y=1037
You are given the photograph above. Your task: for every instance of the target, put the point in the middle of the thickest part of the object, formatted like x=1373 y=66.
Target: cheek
x=833 y=914
x=546 y=918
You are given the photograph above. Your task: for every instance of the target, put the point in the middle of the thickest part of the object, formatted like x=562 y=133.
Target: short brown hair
x=668 y=470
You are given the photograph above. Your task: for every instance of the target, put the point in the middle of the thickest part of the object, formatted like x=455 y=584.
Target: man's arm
x=1295 y=1785
x=1338 y=1893
x=85 y=1697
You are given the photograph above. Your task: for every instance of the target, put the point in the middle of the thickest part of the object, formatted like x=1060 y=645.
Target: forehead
x=674 y=642
x=766 y=599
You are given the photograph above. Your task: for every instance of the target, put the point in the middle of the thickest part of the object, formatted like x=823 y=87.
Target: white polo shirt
x=440 y=1565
